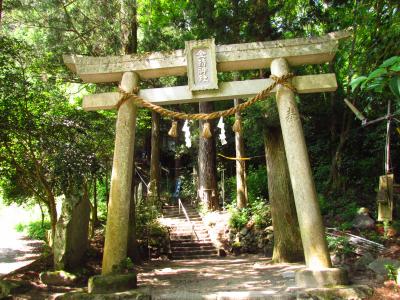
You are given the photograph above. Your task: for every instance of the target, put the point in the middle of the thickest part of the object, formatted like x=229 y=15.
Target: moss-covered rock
x=337 y=293
x=131 y=295
x=58 y=278
x=112 y=283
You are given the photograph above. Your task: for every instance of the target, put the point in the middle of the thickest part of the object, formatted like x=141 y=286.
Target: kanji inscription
x=201 y=65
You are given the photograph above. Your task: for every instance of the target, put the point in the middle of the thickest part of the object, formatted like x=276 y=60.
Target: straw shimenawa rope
x=283 y=80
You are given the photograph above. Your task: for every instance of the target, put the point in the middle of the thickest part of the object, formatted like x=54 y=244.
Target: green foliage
x=257 y=185
x=126 y=265
x=238 y=217
x=261 y=214
x=342 y=209
x=386 y=75
x=391 y=272
x=35 y=229
x=257 y=213
x=339 y=245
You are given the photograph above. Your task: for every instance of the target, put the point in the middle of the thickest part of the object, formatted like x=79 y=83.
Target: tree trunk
x=208 y=192
x=154 y=192
x=94 y=218
x=129 y=26
x=51 y=206
x=241 y=185
x=133 y=246
x=1 y=10
x=287 y=239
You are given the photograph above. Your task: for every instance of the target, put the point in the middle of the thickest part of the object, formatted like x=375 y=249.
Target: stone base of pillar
x=309 y=278
x=112 y=283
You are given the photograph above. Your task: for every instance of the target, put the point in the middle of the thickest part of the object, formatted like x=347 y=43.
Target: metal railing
x=180 y=204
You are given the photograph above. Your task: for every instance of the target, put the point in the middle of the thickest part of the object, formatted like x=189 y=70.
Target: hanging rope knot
x=126 y=95
x=284 y=80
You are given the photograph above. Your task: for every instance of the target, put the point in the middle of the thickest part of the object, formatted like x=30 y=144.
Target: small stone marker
x=201 y=65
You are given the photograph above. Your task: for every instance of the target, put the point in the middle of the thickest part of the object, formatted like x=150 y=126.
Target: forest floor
x=247 y=273
x=250 y=274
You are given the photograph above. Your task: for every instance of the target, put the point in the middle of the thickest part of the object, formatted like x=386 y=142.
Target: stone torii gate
x=200 y=61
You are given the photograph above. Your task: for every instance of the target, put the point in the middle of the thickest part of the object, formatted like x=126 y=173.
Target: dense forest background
x=50 y=147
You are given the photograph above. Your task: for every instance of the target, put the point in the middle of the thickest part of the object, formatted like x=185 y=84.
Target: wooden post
x=120 y=193
x=154 y=187
x=305 y=196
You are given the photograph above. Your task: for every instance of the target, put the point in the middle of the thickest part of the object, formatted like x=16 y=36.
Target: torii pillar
x=116 y=239
x=319 y=270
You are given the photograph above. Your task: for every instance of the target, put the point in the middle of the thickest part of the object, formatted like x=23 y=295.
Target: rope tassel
x=206 y=130
x=173 y=132
x=237 y=126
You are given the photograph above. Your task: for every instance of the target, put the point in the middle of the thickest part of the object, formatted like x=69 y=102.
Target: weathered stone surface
x=117 y=227
x=72 y=229
x=131 y=295
x=227 y=90
x=351 y=293
x=305 y=196
x=201 y=65
x=363 y=220
x=233 y=57
x=316 y=278
x=363 y=262
x=378 y=265
x=9 y=287
x=112 y=283
x=59 y=278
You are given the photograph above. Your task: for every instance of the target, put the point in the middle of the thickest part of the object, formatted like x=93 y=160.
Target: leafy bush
x=339 y=244
x=261 y=214
x=146 y=214
x=239 y=217
x=34 y=230
x=342 y=209
x=258 y=213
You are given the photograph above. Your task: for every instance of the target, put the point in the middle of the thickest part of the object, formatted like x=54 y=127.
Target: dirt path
x=250 y=274
x=16 y=250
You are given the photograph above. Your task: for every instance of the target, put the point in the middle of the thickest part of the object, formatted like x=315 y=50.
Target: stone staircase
x=186 y=244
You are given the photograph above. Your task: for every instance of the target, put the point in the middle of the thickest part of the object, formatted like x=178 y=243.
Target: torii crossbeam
x=200 y=61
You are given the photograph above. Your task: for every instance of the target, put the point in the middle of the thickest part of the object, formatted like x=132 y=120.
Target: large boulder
x=72 y=229
x=378 y=265
x=363 y=220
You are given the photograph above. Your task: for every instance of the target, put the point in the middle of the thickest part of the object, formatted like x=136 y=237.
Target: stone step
x=182 y=217
x=188 y=235
x=192 y=248
x=191 y=243
x=189 y=231
x=194 y=254
x=191 y=257
x=190 y=240
x=184 y=244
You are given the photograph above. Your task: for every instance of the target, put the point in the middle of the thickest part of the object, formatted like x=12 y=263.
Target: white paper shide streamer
x=186 y=130
x=222 y=136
